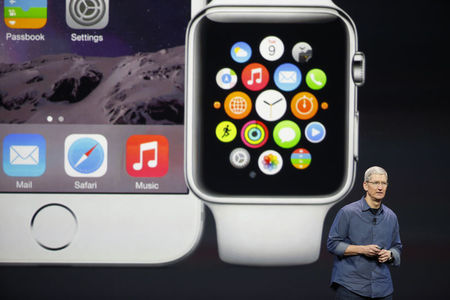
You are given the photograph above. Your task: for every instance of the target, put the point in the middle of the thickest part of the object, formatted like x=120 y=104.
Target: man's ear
x=365 y=186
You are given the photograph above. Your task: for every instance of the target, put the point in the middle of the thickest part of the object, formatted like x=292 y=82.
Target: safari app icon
x=85 y=155
x=87 y=14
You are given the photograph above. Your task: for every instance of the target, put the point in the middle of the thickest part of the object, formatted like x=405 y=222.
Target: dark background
x=404 y=126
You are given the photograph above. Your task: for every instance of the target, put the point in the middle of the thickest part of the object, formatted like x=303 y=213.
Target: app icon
x=286 y=134
x=271 y=48
x=315 y=132
x=147 y=156
x=304 y=105
x=255 y=77
x=270 y=162
x=226 y=78
x=316 y=79
x=25 y=14
x=254 y=134
x=270 y=105
x=301 y=158
x=241 y=52
x=85 y=155
x=239 y=158
x=87 y=14
x=24 y=155
x=287 y=77
x=302 y=52
x=226 y=131
x=238 y=105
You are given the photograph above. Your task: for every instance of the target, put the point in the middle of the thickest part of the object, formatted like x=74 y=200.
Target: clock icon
x=270 y=105
x=304 y=105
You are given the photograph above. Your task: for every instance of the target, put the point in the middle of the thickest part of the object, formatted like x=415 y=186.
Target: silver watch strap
x=265 y=235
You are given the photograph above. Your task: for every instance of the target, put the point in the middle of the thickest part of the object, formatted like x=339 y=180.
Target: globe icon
x=238 y=105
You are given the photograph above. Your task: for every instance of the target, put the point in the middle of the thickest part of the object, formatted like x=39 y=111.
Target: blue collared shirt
x=355 y=224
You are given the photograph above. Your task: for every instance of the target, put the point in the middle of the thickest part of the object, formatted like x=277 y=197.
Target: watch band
x=265 y=235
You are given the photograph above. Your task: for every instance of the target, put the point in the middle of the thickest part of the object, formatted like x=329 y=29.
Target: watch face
x=277 y=124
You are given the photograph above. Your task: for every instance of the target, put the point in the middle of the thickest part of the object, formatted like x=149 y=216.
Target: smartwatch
x=271 y=122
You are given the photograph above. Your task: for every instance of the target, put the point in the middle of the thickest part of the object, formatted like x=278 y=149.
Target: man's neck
x=373 y=203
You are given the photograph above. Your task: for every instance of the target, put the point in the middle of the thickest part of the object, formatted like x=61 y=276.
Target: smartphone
x=91 y=125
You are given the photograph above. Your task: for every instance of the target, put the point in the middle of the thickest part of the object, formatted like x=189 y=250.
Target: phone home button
x=54 y=226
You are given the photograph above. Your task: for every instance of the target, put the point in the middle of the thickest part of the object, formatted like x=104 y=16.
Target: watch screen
x=92 y=96
x=273 y=106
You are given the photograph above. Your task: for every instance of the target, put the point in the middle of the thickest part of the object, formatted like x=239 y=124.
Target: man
x=365 y=239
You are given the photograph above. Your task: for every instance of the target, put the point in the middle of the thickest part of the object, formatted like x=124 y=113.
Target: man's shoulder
x=389 y=211
x=352 y=207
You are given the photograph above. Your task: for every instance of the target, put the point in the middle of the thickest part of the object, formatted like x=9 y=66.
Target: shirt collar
x=366 y=207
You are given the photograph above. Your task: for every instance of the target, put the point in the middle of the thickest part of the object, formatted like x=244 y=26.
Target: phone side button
x=54 y=226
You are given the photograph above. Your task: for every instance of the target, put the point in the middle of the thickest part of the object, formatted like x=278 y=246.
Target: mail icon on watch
x=24 y=155
x=287 y=77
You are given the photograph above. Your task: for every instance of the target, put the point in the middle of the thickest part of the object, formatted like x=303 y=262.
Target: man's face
x=376 y=186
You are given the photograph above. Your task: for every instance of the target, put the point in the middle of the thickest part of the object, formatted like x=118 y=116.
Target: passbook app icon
x=147 y=156
x=25 y=14
x=24 y=155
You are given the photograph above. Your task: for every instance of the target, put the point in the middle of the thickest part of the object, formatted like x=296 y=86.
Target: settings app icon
x=87 y=14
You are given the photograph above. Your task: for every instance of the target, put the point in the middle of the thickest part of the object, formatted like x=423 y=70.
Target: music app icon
x=255 y=77
x=147 y=156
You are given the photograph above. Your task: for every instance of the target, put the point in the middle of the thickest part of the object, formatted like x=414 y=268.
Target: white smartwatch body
x=271 y=123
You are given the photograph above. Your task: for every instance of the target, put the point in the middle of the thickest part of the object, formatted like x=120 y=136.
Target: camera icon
x=87 y=14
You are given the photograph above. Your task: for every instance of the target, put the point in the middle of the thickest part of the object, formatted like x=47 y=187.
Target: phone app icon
x=255 y=77
x=287 y=77
x=301 y=158
x=315 y=132
x=254 y=134
x=85 y=155
x=25 y=14
x=304 y=105
x=238 y=105
x=147 y=156
x=226 y=78
x=241 y=52
x=270 y=105
x=302 y=52
x=87 y=14
x=286 y=134
x=226 y=131
x=316 y=79
x=24 y=155
x=270 y=162
x=271 y=48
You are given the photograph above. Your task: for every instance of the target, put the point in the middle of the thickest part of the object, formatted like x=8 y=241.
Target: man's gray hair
x=374 y=170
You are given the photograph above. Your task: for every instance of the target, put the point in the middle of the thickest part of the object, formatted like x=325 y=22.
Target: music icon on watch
x=147 y=156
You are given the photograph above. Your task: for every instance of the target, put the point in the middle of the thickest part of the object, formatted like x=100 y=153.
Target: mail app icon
x=287 y=77
x=24 y=155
